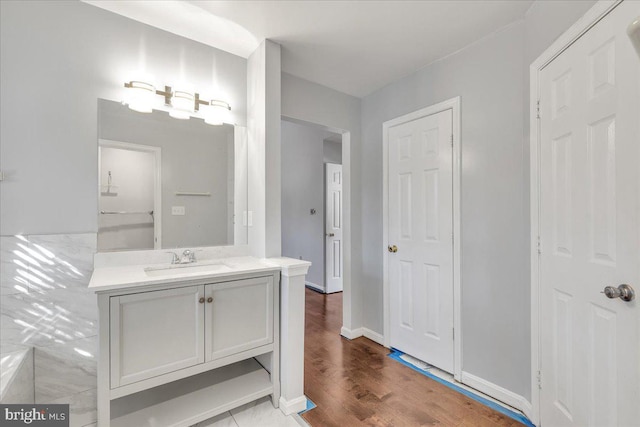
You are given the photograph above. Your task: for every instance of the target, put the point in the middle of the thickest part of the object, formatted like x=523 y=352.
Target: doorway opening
x=312 y=202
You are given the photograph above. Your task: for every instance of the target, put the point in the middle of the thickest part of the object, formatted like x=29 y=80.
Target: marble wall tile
x=16 y=378
x=11 y=265
x=63 y=370
x=82 y=408
x=56 y=314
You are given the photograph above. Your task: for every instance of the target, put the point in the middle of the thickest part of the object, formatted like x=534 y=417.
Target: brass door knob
x=210 y=299
x=393 y=249
x=201 y=300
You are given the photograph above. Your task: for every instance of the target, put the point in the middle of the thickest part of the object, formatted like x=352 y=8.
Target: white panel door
x=153 y=333
x=238 y=316
x=590 y=229
x=421 y=227
x=333 y=228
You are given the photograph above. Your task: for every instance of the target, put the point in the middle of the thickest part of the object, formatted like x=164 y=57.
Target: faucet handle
x=175 y=259
x=191 y=255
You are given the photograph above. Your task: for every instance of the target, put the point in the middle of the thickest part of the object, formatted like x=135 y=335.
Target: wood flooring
x=354 y=383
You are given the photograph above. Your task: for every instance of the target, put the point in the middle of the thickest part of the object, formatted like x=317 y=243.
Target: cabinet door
x=153 y=333
x=239 y=316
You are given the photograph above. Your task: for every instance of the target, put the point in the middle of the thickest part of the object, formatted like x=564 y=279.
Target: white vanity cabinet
x=174 y=354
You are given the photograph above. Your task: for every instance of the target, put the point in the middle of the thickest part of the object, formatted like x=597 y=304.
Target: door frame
x=157 y=181
x=454 y=105
x=592 y=17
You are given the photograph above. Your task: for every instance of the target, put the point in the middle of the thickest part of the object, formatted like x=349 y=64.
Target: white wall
x=309 y=102
x=263 y=128
x=58 y=58
x=491 y=76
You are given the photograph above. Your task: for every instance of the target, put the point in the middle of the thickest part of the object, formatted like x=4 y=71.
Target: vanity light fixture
x=217 y=113
x=182 y=105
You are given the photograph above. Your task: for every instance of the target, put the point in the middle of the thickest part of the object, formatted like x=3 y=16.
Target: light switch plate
x=177 y=210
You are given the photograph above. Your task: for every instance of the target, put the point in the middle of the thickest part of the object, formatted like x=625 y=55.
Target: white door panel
x=590 y=228
x=333 y=228
x=421 y=226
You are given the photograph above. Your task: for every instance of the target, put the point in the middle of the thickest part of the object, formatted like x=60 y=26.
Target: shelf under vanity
x=194 y=399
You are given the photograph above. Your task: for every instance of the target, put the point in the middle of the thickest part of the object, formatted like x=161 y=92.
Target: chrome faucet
x=188 y=256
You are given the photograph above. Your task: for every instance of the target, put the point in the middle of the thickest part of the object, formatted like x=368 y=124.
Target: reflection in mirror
x=168 y=183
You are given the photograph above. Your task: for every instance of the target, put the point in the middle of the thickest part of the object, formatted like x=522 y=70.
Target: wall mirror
x=169 y=183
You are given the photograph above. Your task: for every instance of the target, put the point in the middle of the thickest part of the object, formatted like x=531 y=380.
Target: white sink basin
x=181 y=269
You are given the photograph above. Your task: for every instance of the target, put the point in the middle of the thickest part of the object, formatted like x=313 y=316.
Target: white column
x=292 y=399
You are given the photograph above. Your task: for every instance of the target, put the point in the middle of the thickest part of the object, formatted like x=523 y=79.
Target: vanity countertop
x=111 y=278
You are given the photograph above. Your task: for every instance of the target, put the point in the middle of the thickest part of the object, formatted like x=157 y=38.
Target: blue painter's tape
x=310 y=406
x=395 y=355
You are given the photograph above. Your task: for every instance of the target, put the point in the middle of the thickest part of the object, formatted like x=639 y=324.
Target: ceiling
x=355 y=47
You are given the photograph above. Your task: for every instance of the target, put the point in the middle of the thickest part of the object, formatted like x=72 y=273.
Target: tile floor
x=259 y=413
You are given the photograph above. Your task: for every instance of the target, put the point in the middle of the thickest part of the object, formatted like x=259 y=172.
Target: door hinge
x=540 y=380
x=538 y=109
x=539 y=246
x=453 y=333
x=452 y=140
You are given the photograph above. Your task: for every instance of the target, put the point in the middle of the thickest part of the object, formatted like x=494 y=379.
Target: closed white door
x=590 y=229
x=421 y=228
x=333 y=228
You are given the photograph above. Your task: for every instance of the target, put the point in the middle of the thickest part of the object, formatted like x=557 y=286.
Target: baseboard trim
x=293 y=406
x=373 y=336
x=502 y=394
x=351 y=334
x=527 y=409
x=314 y=286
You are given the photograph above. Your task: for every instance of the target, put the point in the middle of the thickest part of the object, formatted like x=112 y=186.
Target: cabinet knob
x=210 y=299
x=201 y=300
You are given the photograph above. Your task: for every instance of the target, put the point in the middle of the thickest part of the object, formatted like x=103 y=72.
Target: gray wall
x=332 y=152
x=303 y=190
x=58 y=58
x=195 y=158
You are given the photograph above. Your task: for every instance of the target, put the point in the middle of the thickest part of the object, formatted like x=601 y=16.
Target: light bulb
x=183 y=105
x=140 y=96
x=217 y=113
